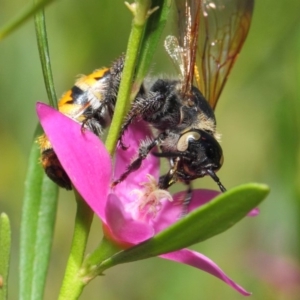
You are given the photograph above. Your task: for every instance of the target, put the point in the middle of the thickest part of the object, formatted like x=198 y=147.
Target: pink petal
x=132 y=138
x=82 y=155
x=137 y=132
x=122 y=226
x=253 y=213
x=198 y=260
x=280 y=272
x=172 y=211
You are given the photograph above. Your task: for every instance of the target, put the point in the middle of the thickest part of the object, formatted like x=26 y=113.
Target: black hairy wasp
x=210 y=34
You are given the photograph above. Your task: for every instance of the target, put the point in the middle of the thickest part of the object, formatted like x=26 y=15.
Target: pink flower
x=135 y=210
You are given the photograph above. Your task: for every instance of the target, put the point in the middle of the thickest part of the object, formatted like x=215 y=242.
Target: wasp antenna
x=213 y=175
x=169 y=154
x=186 y=201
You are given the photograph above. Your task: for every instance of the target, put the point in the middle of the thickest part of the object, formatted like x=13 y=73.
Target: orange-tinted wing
x=224 y=25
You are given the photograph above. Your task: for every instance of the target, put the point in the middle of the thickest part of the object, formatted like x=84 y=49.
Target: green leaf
x=203 y=223
x=23 y=16
x=72 y=283
x=37 y=226
x=5 y=246
x=41 y=194
x=42 y=41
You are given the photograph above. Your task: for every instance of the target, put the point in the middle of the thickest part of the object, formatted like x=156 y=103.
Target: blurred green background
x=257 y=116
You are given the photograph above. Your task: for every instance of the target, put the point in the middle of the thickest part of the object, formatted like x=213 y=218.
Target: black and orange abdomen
x=90 y=102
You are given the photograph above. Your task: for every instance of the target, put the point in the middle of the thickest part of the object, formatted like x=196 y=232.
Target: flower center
x=150 y=197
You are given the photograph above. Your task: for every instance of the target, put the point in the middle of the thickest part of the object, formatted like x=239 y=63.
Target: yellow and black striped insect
x=210 y=34
x=90 y=102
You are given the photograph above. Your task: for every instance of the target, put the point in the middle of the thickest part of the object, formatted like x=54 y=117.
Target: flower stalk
x=73 y=283
x=90 y=267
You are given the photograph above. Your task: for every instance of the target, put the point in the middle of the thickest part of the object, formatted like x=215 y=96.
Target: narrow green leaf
x=44 y=236
x=5 y=246
x=23 y=16
x=41 y=194
x=203 y=223
x=37 y=226
x=42 y=41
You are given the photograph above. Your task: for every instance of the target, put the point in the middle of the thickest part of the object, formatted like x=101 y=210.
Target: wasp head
x=199 y=154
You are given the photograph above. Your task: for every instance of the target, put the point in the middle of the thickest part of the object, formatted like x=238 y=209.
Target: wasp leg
x=144 y=105
x=97 y=119
x=135 y=165
x=170 y=178
x=128 y=121
x=92 y=124
x=167 y=180
x=134 y=113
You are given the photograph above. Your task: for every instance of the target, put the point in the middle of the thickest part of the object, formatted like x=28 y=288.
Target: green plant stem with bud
x=141 y=11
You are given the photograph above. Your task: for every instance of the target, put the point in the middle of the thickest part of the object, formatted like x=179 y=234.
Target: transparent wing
x=182 y=48
x=176 y=53
x=223 y=28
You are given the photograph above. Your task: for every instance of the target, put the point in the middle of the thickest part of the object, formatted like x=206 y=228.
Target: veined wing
x=223 y=28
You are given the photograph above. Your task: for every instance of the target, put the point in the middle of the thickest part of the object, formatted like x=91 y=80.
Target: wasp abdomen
x=51 y=164
x=90 y=102
x=54 y=169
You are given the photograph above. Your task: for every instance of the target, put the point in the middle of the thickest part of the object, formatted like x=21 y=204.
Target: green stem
x=23 y=16
x=90 y=267
x=141 y=12
x=5 y=249
x=73 y=284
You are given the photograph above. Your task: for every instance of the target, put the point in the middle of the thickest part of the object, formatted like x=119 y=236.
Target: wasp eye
x=184 y=140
